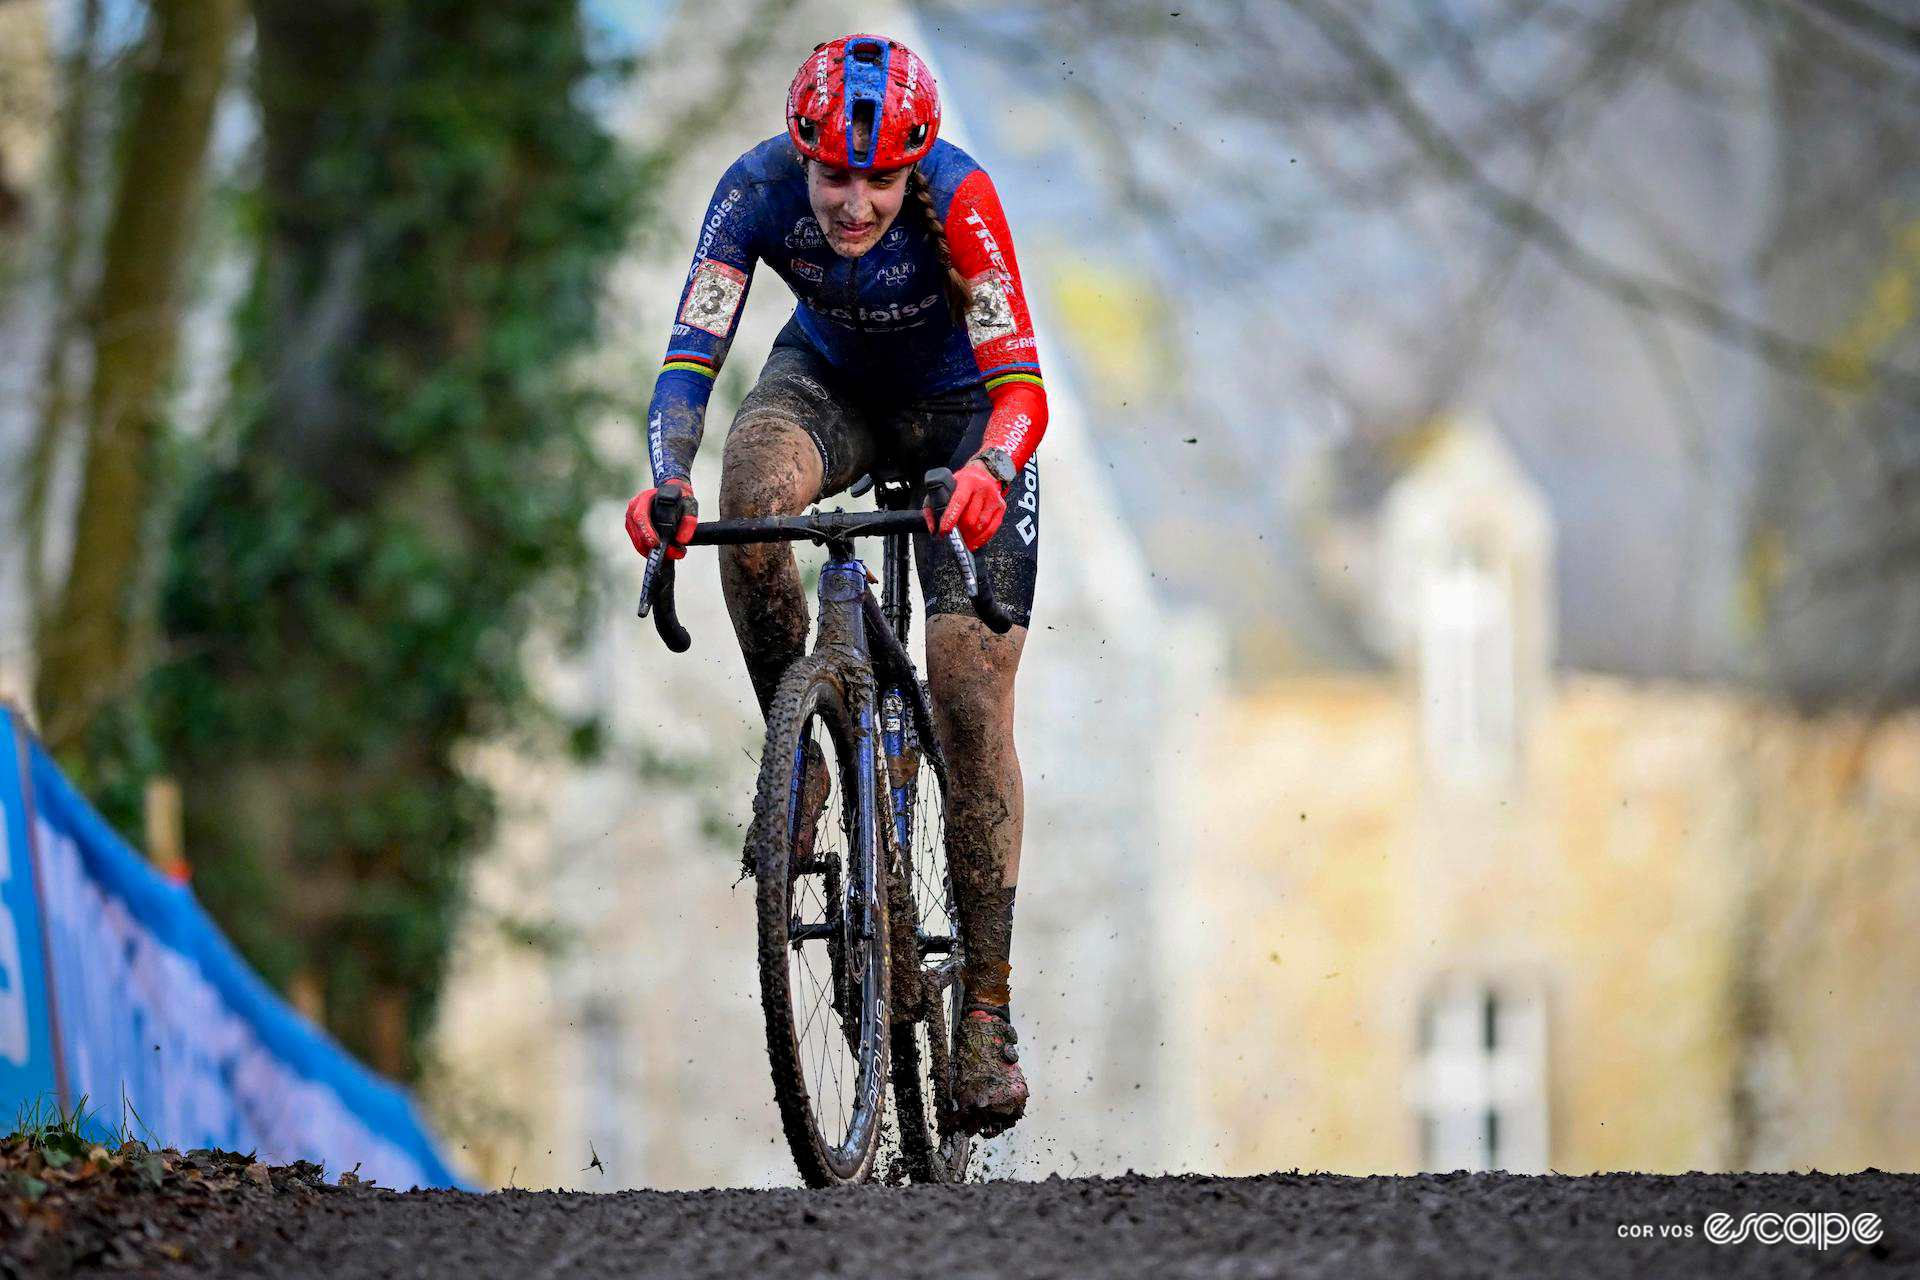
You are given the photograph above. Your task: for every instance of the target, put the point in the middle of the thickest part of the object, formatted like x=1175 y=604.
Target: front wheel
x=823 y=946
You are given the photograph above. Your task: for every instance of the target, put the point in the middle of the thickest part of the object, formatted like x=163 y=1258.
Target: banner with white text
x=151 y=1015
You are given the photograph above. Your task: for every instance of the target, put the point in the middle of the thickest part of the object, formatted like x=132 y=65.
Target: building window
x=1480 y=1084
x=1467 y=669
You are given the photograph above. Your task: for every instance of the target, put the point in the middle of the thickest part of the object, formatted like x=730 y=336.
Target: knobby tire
x=813 y=689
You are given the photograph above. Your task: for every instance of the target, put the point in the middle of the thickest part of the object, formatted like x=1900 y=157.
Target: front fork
x=843 y=585
x=884 y=855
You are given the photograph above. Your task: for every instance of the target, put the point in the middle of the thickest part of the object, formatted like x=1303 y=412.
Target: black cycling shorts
x=857 y=436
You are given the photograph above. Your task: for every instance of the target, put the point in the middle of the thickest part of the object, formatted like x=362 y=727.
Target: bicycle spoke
x=819 y=999
x=824 y=1039
x=935 y=932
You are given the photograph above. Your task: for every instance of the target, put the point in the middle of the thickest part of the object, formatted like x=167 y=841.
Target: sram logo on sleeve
x=714 y=297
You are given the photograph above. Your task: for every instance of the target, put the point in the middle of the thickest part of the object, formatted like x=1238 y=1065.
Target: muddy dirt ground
x=222 y=1219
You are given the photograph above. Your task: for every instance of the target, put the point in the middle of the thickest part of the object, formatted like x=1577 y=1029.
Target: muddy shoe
x=989 y=1092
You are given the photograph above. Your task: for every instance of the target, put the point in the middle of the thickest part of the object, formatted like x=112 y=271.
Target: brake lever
x=655 y=559
x=939 y=487
x=656 y=587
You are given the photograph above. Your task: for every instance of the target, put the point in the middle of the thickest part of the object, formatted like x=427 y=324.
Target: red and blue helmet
x=863 y=79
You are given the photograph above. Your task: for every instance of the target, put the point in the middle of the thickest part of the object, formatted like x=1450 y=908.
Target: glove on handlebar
x=640 y=519
x=976 y=508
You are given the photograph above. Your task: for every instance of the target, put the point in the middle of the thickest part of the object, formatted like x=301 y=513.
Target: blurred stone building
x=1468 y=914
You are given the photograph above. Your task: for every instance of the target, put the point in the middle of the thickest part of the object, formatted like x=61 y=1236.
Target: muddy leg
x=771 y=468
x=971 y=673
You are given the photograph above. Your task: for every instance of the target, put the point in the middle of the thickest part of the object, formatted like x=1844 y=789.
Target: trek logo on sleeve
x=657 y=443
x=988 y=244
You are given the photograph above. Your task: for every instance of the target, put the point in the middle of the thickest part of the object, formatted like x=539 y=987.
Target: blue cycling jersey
x=881 y=318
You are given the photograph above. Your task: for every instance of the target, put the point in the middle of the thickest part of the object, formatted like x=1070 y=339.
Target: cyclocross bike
x=859 y=943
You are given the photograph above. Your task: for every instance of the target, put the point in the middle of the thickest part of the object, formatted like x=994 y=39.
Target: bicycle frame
x=878 y=646
x=863 y=641
x=896 y=609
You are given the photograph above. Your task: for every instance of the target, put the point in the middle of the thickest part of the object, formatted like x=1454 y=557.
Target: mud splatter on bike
x=859 y=942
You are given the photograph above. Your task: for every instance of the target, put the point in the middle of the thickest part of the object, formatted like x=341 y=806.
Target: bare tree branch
x=1626 y=287
x=1866 y=20
x=1847 y=48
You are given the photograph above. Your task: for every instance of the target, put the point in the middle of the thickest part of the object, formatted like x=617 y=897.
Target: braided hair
x=959 y=292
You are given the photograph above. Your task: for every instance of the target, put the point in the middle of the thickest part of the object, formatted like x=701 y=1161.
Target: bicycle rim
x=823 y=944
x=937 y=1150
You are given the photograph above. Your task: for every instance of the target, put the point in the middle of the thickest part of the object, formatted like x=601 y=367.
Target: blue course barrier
x=116 y=986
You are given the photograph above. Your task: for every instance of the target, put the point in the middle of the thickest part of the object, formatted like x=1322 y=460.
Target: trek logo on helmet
x=822 y=96
x=913 y=79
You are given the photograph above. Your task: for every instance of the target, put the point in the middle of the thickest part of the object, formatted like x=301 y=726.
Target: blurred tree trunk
x=347 y=588
x=1833 y=541
x=86 y=646
x=326 y=74
x=25 y=62
x=70 y=220
x=330 y=77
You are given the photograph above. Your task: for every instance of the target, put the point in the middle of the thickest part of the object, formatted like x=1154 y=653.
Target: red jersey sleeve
x=998 y=323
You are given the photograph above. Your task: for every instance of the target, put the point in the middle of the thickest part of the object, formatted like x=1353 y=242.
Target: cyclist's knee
x=970 y=672
x=771 y=468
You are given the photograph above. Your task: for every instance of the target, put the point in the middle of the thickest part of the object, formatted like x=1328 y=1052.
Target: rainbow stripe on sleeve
x=688 y=362
x=1002 y=375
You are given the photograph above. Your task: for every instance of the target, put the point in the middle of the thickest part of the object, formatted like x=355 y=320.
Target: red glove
x=640 y=525
x=976 y=510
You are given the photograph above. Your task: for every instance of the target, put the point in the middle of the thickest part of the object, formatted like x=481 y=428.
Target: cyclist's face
x=855 y=208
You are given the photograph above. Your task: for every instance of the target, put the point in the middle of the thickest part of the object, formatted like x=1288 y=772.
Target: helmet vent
x=860 y=129
x=866 y=51
x=916 y=136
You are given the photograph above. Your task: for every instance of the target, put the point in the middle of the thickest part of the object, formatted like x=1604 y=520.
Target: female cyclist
x=910 y=348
